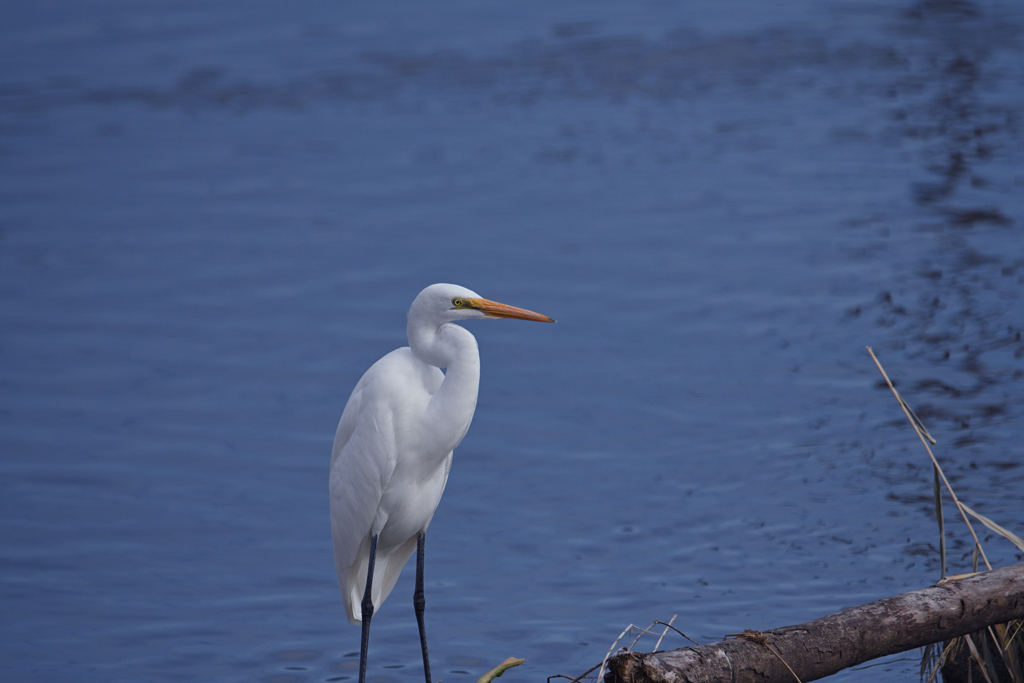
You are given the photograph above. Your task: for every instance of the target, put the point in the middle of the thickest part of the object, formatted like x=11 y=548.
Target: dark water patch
x=683 y=64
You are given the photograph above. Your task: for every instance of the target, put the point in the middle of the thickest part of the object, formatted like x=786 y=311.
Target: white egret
x=393 y=450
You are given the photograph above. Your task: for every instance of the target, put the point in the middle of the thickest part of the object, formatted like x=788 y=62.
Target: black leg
x=367 y=612
x=418 y=602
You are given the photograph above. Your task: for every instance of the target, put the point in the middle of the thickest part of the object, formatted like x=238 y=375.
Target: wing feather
x=363 y=460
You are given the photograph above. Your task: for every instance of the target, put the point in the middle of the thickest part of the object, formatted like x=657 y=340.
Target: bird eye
x=457 y=303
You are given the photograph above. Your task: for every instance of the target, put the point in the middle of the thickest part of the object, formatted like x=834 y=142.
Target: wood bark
x=832 y=643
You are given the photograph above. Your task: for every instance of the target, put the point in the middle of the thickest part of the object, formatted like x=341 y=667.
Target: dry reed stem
x=578 y=678
x=604 y=662
x=629 y=648
x=1016 y=631
x=920 y=435
x=937 y=493
x=977 y=658
x=940 y=660
x=992 y=526
x=676 y=630
x=1003 y=649
x=664 y=633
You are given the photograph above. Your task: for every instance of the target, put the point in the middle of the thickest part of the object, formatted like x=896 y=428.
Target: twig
x=663 y=633
x=604 y=662
x=578 y=678
x=629 y=648
x=920 y=434
x=639 y=636
x=669 y=625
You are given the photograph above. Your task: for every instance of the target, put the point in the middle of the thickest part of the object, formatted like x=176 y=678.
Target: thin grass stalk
x=928 y=656
x=977 y=659
x=1018 y=630
x=1009 y=632
x=1014 y=642
x=947 y=653
x=992 y=526
x=1016 y=650
x=935 y=462
x=986 y=652
x=641 y=634
x=629 y=648
x=604 y=662
x=1004 y=651
x=937 y=491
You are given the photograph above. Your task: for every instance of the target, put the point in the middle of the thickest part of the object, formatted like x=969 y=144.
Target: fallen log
x=835 y=642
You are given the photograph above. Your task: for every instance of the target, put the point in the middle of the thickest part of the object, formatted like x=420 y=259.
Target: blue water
x=213 y=219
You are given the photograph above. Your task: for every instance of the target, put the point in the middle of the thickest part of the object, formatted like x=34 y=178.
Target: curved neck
x=446 y=346
x=453 y=347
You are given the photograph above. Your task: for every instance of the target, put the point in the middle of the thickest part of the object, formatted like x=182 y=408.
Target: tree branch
x=832 y=643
